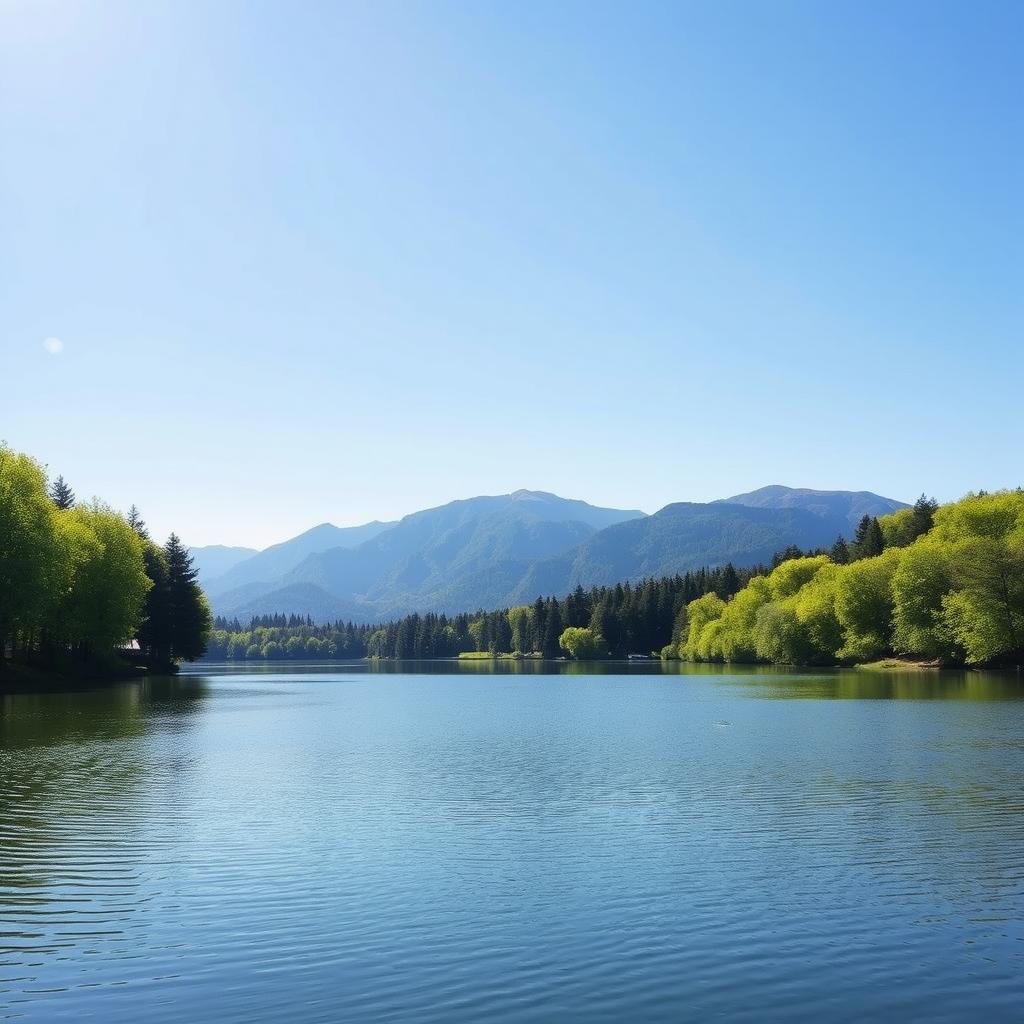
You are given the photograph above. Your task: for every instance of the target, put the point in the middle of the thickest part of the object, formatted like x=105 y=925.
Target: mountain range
x=500 y=550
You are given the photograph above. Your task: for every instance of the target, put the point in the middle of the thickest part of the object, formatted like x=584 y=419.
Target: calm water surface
x=460 y=846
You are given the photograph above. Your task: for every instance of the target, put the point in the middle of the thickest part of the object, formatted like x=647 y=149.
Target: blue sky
x=315 y=262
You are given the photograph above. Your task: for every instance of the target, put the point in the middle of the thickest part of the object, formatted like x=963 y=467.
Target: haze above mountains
x=495 y=551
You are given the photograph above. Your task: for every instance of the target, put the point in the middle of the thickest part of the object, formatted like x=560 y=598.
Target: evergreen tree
x=552 y=632
x=155 y=634
x=540 y=613
x=868 y=540
x=923 y=516
x=789 y=554
x=840 y=553
x=187 y=610
x=729 y=582
x=137 y=523
x=61 y=494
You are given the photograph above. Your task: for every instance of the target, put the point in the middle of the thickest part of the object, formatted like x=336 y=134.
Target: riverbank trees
x=937 y=583
x=627 y=618
x=942 y=584
x=78 y=582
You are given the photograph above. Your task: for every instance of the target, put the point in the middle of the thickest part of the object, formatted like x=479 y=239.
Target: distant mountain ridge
x=274 y=562
x=494 y=551
x=216 y=559
x=851 y=505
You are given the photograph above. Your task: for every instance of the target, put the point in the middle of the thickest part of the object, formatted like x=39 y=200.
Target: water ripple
x=513 y=849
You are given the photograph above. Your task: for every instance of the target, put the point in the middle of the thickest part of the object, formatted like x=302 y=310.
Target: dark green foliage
x=553 y=628
x=840 y=552
x=154 y=633
x=137 y=523
x=177 y=624
x=61 y=494
x=630 y=619
x=188 y=613
x=923 y=516
x=730 y=581
x=868 y=540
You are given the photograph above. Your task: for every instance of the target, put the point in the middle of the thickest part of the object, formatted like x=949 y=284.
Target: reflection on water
x=766 y=680
x=541 y=842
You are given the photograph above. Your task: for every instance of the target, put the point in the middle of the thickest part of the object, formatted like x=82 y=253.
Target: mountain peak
x=848 y=505
x=525 y=495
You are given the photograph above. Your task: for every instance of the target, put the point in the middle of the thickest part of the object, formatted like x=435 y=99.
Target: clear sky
x=270 y=264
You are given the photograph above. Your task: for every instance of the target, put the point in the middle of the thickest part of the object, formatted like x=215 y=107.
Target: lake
x=538 y=843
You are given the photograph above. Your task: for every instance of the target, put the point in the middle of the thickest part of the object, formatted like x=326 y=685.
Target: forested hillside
x=944 y=584
x=467 y=553
x=503 y=550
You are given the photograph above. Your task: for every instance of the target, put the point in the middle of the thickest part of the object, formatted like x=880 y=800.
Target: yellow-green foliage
x=897 y=528
x=864 y=606
x=583 y=643
x=815 y=608
x=789 y=577
x=954 y=593
x=520 y=620
x=32 y=550
x=923 y=577
x=110 y=581
x=995 y=516
x=736 y=630
x=75 y=577
x=702 y=615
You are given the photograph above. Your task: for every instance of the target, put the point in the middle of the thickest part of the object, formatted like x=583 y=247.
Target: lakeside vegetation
x=939 y=584
x=626 y=618
x=83 y=589
x=928 y=584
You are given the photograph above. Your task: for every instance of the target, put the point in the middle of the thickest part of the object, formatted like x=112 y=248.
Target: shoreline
x=20 y=678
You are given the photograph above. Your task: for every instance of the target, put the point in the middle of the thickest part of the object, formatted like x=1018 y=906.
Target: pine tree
x=924 y=515
x=552 y=632
x=155 y=633
x=137 y=523
x=840 y=553
x=188 y=612
x=868 y=540
x=61 y=494
x=729 y=582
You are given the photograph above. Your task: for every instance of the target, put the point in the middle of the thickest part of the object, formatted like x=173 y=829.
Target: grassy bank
x=487 y=656
x=900 y=664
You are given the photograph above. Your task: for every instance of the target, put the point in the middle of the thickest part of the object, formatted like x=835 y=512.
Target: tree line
x=943 y=584
x=79 y=581
x=615 y=621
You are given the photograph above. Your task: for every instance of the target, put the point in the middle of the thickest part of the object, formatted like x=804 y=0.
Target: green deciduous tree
x=702 y=627
x=985 y=614
x=520 y=620
x=31 y=571
x=107 y=596
x=863 y=603
x=582 y=643
x=920 y=582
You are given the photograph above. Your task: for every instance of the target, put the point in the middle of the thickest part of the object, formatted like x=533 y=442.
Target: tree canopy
x=944 y=583
x=79 y=582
